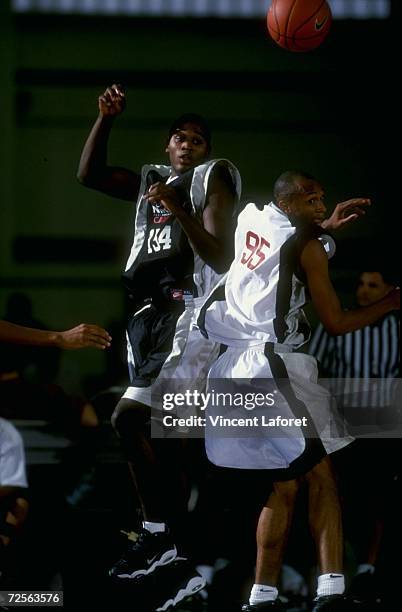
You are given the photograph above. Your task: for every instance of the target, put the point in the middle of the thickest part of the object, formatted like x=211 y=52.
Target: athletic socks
x=154 y=527
x=330 y=584
x=262 y=592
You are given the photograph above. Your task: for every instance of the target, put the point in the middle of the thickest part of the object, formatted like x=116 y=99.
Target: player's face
x=306 y=205
x=371 y=288
x=187 y=148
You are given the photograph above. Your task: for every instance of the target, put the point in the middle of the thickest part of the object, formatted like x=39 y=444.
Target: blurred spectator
x=13 y=493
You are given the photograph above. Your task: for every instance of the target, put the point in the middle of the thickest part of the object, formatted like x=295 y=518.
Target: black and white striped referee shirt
x=368 y=353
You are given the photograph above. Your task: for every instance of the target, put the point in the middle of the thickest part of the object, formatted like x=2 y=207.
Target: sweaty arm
x=81 y=336
x=213 y=240
x=337 y=321
x=93 y=170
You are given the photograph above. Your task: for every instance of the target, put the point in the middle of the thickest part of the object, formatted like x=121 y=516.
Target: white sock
x=262 y=592
x=330 y=584
x=365 y=567
x=154 y=527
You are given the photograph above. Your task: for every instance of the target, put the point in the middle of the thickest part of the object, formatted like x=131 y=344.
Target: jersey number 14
x=159 y=239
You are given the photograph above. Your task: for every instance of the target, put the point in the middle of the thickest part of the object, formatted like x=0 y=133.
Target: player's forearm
x=208 y=247
x=93 y=159
x=17 y=334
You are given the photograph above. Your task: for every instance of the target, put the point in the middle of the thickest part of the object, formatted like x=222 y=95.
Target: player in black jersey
x=182 y=243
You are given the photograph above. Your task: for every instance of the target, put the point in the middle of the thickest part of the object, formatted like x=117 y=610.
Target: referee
x=371 y=352
x=349 y=360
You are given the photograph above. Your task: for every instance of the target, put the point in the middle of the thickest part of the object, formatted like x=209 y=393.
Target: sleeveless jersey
x=162 y=260
x=262 y=297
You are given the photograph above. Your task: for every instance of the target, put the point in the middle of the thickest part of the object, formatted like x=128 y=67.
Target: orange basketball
x=299 y=25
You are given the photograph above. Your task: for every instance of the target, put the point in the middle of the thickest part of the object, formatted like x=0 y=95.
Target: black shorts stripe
x=314 y=450
x=216 y=296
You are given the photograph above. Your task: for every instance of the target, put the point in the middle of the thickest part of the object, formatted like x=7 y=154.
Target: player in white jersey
x=183 y=241
x=280 y=252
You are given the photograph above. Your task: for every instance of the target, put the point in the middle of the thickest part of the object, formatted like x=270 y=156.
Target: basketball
x=299 y=25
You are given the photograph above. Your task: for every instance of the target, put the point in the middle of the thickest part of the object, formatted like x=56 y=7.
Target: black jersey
x=165 y=262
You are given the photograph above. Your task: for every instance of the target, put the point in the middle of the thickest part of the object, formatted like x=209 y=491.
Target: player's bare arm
x=337 y=321
x=212 y=240
x=346 y=212
x=93 y=170
x=82 y=336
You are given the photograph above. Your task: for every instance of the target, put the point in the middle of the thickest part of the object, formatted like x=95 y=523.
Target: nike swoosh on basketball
x=320 y=24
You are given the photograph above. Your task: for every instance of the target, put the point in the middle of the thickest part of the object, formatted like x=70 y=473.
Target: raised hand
x=346 y=212
x=112 y=102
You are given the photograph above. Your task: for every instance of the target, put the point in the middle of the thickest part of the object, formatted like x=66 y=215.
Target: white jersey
x=264 y=290
x=258 y=315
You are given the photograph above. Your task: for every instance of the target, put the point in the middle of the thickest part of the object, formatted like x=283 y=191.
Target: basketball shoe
x=142 y=557
x=264 y=606
x=364 y=589
x=174 y=583
x=333 y=603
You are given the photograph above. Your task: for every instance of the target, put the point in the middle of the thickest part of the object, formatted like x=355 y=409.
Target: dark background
x=333 y=112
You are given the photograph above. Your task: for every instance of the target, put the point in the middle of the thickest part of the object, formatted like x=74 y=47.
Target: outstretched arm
x=337 y=321
x=81 y=336
x=213 y=241
x=93 y=170
x=346 y=212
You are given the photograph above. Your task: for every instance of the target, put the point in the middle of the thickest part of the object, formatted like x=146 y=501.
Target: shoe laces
x=141 y=542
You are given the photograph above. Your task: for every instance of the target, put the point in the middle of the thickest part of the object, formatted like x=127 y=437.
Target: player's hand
x=112 y=102
x=83 y=336
x=346 y=212
x=165 y=195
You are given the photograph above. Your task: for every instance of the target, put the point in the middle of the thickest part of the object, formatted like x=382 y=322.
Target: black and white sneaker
x=176 y=582
x=364 y=589
x=333 y=603
x=142 y=557
x=264 y=606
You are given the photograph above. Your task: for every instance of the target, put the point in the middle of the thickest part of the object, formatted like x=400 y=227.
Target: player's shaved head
x=288 y=183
